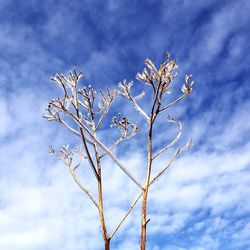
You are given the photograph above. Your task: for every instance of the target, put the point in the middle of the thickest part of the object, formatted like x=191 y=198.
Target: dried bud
x=127 y=129
x=187 y=86
x=64 y=154
x=125 y=89
x=53 y=110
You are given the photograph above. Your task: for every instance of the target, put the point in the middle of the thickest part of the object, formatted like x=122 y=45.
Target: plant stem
x=154 y=111
x=100 y=193
x=101 y=212
x=145 y=191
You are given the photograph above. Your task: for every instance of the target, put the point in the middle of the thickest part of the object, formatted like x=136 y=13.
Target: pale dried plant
x=83 y=112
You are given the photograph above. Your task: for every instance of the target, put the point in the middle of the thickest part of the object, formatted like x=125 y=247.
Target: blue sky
x=203 y=201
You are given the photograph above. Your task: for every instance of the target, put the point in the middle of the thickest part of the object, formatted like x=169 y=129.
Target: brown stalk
x=97 y=172
x=99 y=180
x=153 y=115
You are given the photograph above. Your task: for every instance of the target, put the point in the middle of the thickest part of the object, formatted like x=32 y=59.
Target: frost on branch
x=64 y=154
x=81 y=102
x=53 y=110
x=165 y=74
x=125 y=89
x=161 y=79
x=82 y=111
x=125 y=92
x=106 y=98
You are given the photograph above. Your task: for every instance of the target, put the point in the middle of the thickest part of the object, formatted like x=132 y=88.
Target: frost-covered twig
x=126 y=215
x=80 y=184
x=178 y=123
x=186 y=89
x=105 y=103
x=66 y=155
x=125 y=92
x=178 y=151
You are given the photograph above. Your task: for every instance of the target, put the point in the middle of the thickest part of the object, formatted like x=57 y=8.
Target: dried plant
x=83 y=111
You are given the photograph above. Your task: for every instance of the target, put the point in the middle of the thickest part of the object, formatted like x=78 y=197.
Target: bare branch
x=126 y=215
x=165 y=168
x=127 y=128
x=103 y=115
x=106 y=101
x=125 y=92
x=66 y=155
x=179 y=151
x=175 y=139
x=116 y=143
x=188 y=85
x=80 y=106
x=174 y=102
x=186 y=89
x=122 y=138
x=88 y=154
x=81 y=159
x=113 y=146
x=70 y=128
x=139 y=109
x=79 y=183
x=187 y=146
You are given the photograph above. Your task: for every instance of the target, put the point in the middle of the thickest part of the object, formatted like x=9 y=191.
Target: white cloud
x=6 y=119
x=223 y=24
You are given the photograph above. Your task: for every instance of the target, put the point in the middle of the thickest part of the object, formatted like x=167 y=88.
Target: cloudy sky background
x=203 y=200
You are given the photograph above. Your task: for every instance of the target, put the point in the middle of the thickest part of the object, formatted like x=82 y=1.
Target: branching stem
x=112 y=156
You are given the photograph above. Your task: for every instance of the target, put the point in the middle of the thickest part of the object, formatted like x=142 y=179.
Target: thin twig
x=103 y=115
x=113 y=145
x=126 y=215
x=83 y=137
x=139 y=109
x=74 y=131
x=79 y=183
x=70 y=128
x=172 y=143
x=174 y=102
x=165 y=168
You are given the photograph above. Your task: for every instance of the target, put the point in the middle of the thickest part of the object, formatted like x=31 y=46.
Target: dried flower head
x=127 y=128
